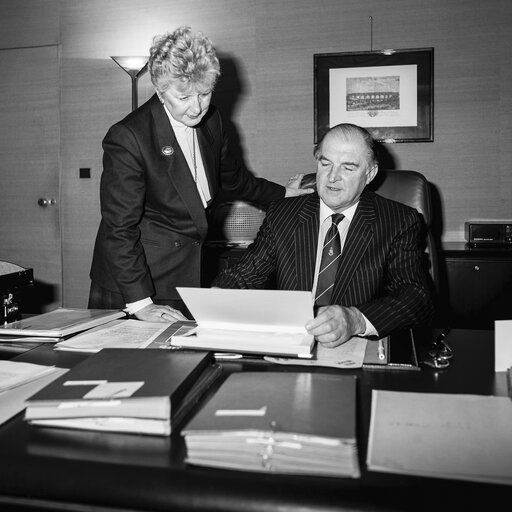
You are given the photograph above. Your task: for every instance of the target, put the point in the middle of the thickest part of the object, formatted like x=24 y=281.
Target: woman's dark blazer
x=153 y=223
x=381 y=270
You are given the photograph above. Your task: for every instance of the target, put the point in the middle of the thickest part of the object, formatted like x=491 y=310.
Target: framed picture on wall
x=388 y=92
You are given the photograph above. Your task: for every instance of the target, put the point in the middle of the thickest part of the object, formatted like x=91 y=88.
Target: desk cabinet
x=476 y=287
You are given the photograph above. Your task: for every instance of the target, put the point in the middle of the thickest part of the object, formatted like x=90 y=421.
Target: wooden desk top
x=75 y=470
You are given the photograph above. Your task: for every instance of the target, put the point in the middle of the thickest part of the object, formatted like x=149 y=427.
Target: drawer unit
x=477 y=286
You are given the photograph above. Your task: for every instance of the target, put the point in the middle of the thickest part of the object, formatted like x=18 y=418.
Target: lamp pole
x=135 y=67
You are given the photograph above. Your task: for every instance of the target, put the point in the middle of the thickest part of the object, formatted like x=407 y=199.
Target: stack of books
x=280 y=422
x=125 y=390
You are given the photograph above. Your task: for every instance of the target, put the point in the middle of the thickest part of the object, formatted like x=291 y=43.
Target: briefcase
x=14 y=281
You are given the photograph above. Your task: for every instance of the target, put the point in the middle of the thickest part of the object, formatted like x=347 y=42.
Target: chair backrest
x=413 y=189
x=410 y=188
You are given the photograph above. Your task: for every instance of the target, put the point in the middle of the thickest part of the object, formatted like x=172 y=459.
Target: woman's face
x=187 y=103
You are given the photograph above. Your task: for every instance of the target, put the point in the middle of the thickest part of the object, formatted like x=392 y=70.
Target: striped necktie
x=331 y=253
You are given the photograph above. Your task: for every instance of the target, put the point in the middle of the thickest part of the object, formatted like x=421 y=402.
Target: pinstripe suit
x=380 y=271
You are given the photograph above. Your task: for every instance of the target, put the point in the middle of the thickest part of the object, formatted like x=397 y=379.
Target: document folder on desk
x=125 y=390
x=248 y=321
x=455 y=436
x=280 y=422
x=61 y=322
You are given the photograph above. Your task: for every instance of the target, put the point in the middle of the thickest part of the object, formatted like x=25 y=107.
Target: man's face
x=342 y=171
x=187 y=104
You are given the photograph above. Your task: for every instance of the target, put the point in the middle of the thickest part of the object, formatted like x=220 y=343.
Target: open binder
x=248 y=321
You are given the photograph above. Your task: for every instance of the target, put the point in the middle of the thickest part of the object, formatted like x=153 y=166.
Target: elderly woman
x=163 y=165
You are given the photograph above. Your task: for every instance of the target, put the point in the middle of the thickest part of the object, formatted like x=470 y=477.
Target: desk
x=52 y=469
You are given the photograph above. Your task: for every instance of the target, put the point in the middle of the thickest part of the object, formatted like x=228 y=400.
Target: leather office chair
x=412 y=189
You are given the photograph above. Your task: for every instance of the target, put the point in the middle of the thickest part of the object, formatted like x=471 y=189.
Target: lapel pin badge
x=167 y=150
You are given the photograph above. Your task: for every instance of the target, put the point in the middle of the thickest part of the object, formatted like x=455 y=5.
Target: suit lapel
x=306 y=240
x=177 y=168
x=359 y=235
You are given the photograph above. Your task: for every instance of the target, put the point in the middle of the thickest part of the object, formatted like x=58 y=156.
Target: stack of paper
x=125 y=390
x=16 y=373
x=248 y=321
x=466 y=437
x=60 y=322
x=282 y=422
x=18 y=381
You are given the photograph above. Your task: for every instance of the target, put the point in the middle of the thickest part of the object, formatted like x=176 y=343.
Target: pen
x=382 y=356
x=226 y=355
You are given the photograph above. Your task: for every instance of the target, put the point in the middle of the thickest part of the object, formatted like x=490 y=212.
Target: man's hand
x=157 y=313
x=334 y=325
x=293 y=187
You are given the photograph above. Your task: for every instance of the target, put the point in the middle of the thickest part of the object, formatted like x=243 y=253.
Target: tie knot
x=337 y=218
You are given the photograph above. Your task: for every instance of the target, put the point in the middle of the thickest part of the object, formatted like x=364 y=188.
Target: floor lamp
x=135 y=67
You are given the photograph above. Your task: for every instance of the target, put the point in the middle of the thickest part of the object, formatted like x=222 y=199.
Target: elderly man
x=360 y=254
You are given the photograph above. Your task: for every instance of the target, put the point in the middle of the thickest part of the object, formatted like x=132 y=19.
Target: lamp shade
x=134 y=66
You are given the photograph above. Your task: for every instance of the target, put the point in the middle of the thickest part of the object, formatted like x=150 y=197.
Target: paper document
x=454 y=436
x=348 y=355
x=60 y=322
x=249 y=321
x=116 y=334
x=15 y=373
x=502 y=345
x=12 y=400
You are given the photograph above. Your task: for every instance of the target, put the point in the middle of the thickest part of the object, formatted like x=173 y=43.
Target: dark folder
x=400 y=352
x=149 y=386
x=285 y=422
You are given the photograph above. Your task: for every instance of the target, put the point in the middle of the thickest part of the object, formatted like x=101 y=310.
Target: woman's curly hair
x=183 y=56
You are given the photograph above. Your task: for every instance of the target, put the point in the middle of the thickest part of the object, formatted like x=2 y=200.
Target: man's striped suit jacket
x=382 y=269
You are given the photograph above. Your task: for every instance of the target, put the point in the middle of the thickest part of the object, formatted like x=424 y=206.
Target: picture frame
x=388 y=92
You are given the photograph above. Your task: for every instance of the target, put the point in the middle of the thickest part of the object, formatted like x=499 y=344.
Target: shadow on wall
x=230 y=89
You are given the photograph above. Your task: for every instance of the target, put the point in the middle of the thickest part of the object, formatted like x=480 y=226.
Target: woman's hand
x=157 y=313
x=293 y=187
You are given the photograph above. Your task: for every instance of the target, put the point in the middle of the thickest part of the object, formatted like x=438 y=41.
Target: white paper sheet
x=249 y=310
x=455 y=436
x=502 y=345
x=12 y=401
x=115 y=334
x=346 y=356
